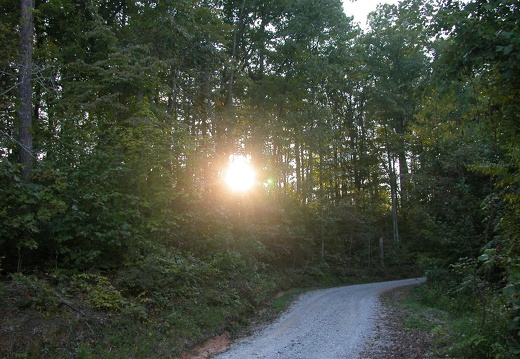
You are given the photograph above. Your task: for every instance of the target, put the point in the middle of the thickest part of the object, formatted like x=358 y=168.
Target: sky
x=360 y=9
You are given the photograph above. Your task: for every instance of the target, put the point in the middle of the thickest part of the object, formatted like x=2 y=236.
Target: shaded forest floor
x=87 y=316
x=38 y=322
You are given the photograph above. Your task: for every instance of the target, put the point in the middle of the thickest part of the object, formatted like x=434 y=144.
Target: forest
x=382 y=152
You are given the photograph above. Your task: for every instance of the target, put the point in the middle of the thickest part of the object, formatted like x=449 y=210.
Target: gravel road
x=324 y=324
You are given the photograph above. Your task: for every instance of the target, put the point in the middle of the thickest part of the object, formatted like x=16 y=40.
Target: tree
x=397 y=55
x=25 y=90
x=485 y=53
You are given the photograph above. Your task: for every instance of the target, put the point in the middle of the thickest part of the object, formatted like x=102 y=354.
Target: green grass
x=284 y=300
x=455 y=321
x=154 y=311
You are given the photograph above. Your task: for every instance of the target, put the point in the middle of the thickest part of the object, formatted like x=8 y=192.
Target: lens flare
x=240 y=176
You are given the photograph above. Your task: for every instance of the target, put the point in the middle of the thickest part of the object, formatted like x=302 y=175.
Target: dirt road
x=327 y=324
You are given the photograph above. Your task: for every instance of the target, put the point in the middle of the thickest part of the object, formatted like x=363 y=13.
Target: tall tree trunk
x=304 y=177
x=232 y=67
x=403 y=164
x=403 y=176
x=298 y=163
x=393 y=194
x=25 y=91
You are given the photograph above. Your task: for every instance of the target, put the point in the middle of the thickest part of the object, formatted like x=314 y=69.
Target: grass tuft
x=455 y=321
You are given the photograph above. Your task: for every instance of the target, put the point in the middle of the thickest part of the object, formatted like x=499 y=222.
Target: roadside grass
x=158 y=310
x=285 y=299
x=136 y=314
x=455 y=321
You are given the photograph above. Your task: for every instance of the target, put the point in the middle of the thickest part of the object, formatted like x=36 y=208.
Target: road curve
x=324 y=324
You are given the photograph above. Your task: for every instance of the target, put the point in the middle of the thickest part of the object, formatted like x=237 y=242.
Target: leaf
x=471 y=7
x=506 y=50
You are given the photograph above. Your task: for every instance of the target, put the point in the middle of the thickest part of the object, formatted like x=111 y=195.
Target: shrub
x=100 y=293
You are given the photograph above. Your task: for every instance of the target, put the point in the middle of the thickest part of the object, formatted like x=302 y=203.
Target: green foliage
x=25 y=211
x=374 y=151
x=37 y=293
x=99 y=292
x=477 y=319
x=512 y=293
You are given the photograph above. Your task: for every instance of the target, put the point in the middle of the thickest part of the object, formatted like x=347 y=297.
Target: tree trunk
x=382 y=251
x=393 y=193
x=231 y=81
x=25 y=157
x=403 y=165
x=403 y=176
x=298 y=163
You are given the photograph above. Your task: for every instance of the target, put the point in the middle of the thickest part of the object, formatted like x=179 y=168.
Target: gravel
x=327 y=324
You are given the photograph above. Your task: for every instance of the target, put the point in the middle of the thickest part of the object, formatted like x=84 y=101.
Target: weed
x=100 y=292
x=454 y=319
x=282 y=302
x=3 y=291
x=84 y=352
x=35 y=293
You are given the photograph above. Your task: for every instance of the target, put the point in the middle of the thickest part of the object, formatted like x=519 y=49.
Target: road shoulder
x=393 y=338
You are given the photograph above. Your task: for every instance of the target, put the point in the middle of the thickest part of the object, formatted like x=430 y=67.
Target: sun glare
x=240 y=176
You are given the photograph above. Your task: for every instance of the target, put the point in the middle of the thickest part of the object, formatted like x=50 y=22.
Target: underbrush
x=152 y=310
x=157 y=308
x=466 y=321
